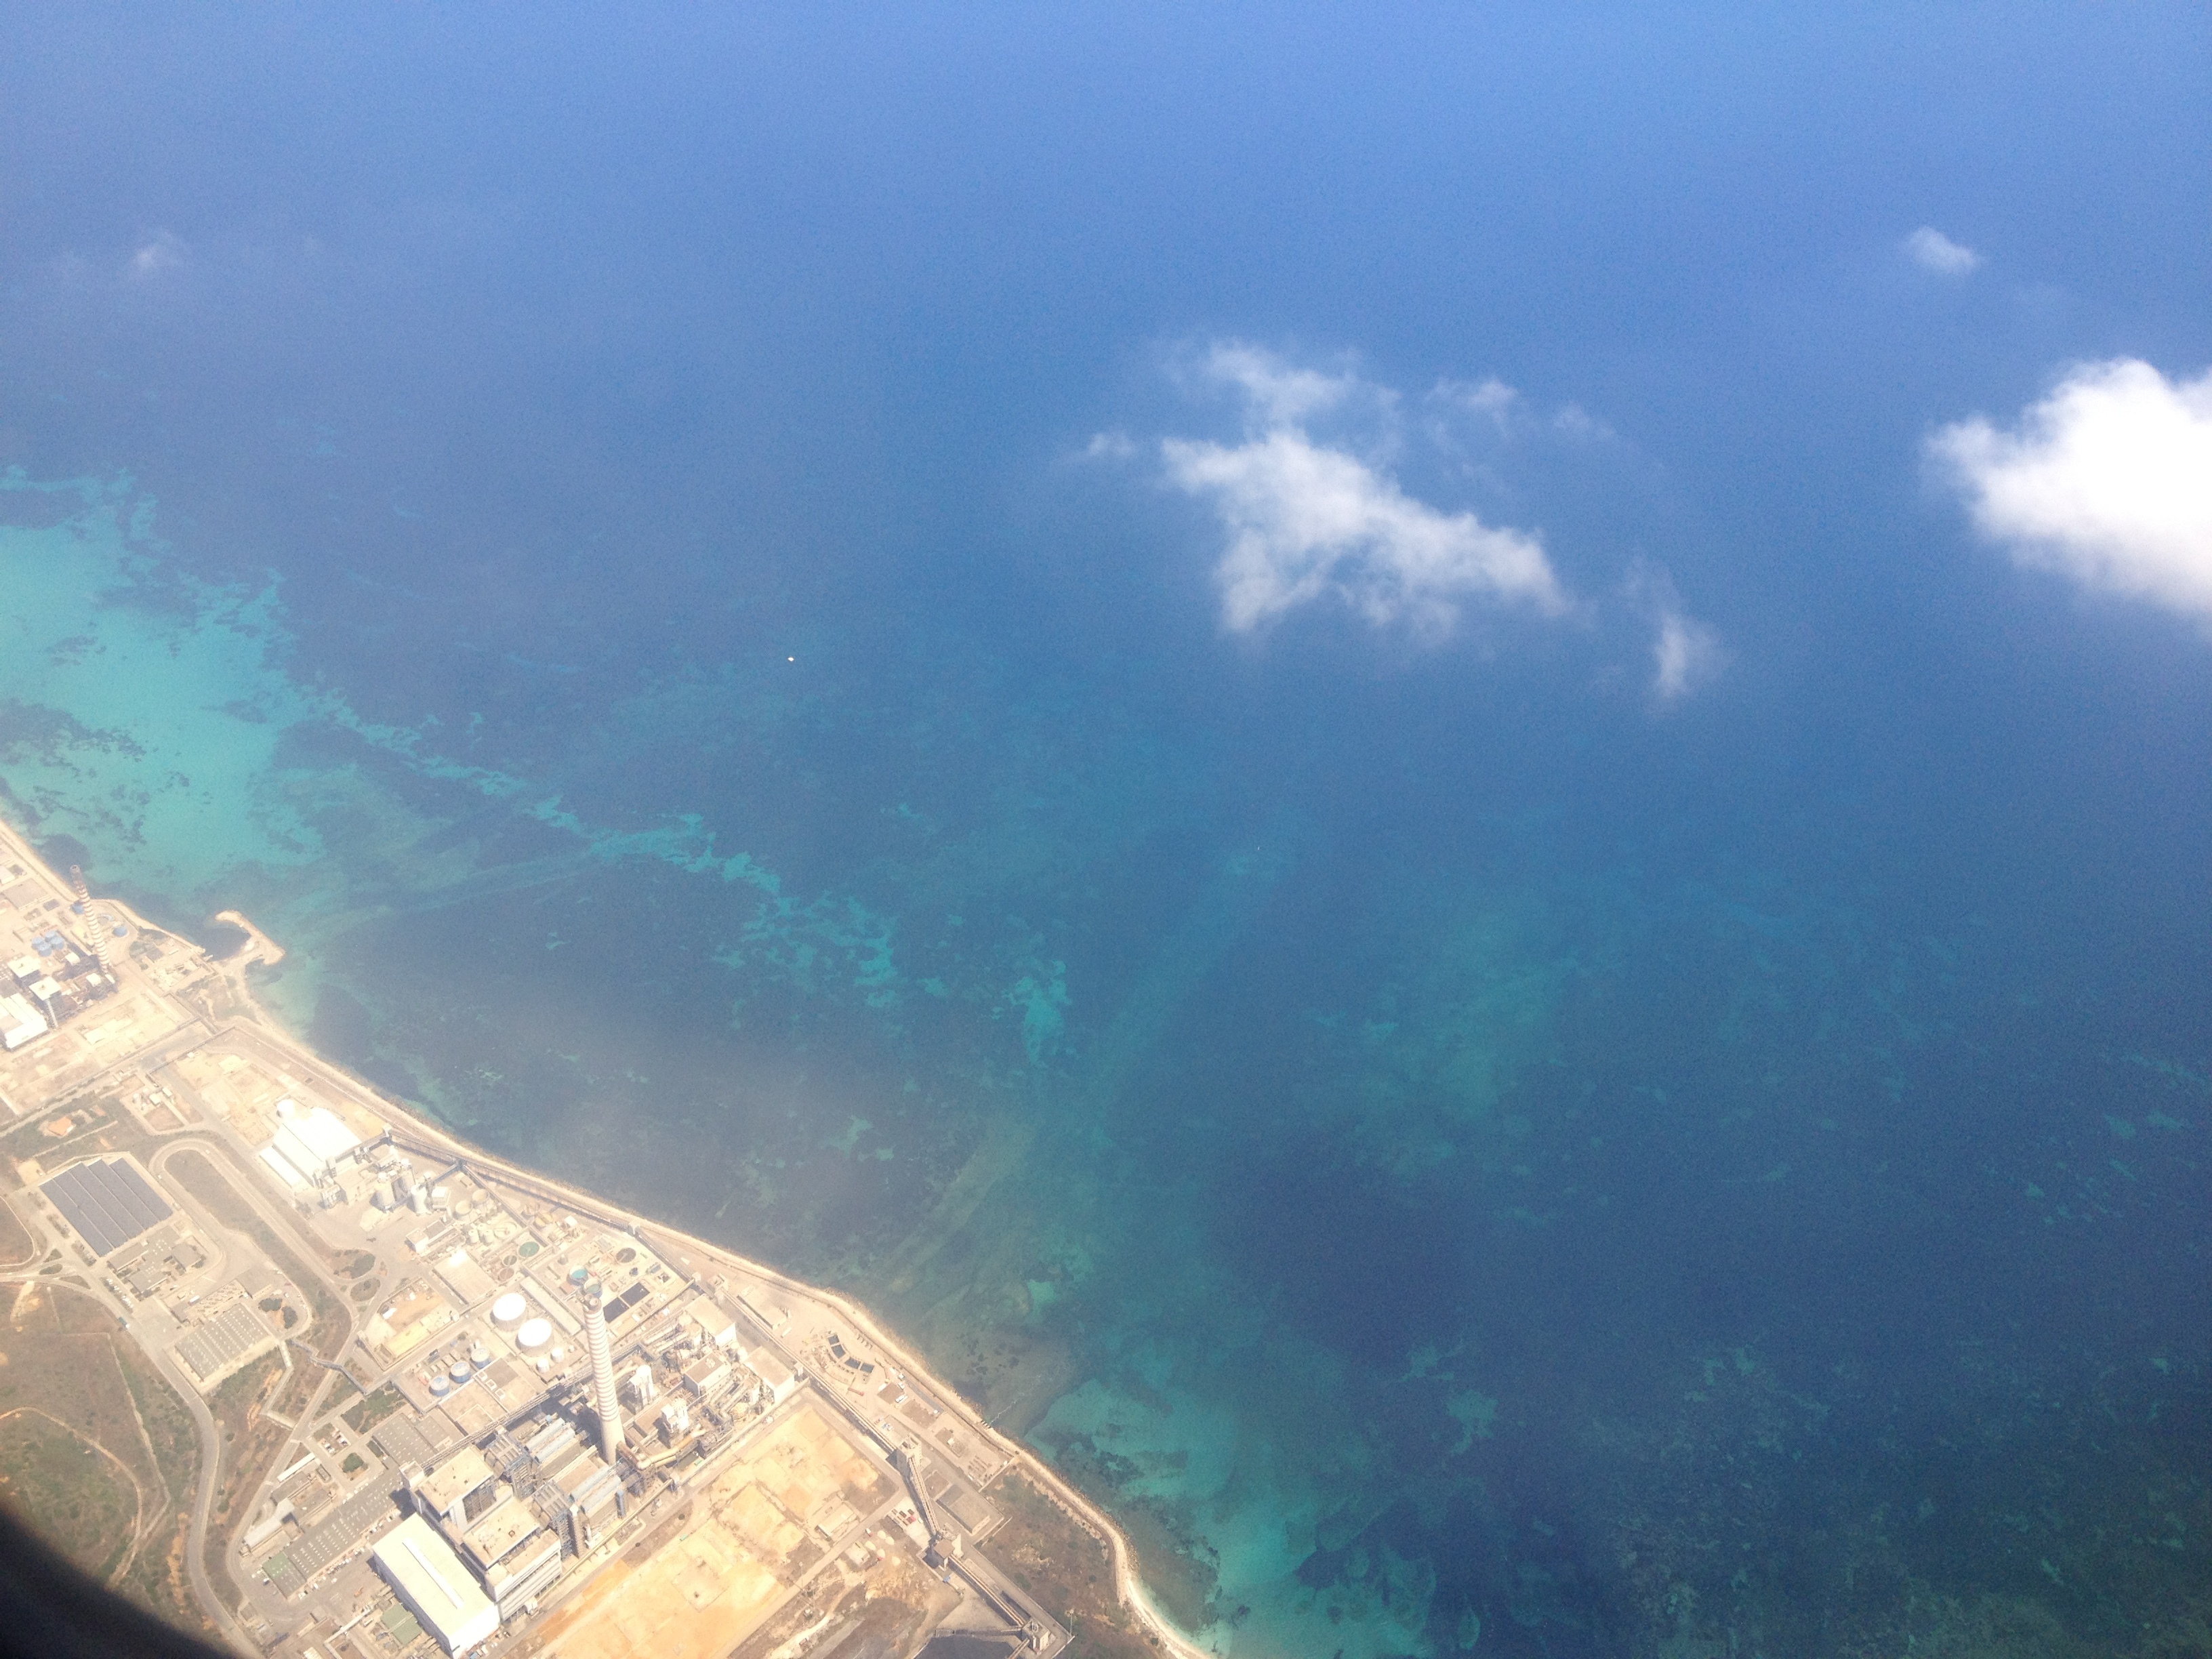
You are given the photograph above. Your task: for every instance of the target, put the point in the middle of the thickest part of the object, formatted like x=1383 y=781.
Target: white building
x=768 y=1365
x=314 y=1142
x=19 y=1021
x=437 y=1588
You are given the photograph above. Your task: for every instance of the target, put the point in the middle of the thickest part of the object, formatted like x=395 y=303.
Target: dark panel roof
x=109 y=1204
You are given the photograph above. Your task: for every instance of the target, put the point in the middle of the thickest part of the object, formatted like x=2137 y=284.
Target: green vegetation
x=157 y=1578
x=69 y=1381
x=85 y=1504
x=364 y=1417
x=353 y=1464
x=1067 y=1568
x=250 y=1440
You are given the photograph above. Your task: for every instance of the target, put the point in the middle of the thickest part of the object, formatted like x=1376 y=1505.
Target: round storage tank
x=460 y=1370
x=578 y=1275
x=560 y=1353
x=508 y=1311
x=438 y=1386
x=534 y=1334
x=544 y=1366
x=479 y=1355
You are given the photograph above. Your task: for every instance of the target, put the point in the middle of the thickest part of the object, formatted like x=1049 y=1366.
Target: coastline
x=235 y=972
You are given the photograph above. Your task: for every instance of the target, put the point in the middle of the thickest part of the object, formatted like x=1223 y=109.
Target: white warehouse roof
x=312 y=1141
x=436 y=1588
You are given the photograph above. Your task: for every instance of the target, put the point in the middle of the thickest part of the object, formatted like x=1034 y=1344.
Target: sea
x=669 y=558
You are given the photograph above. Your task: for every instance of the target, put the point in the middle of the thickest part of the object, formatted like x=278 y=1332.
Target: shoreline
x=235 y=973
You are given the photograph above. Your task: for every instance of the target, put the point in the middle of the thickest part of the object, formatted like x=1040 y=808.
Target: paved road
x=272 y=1604
x=203 y=1506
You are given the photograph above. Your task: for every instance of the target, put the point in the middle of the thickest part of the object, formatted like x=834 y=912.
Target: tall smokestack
x=95 y=927
x=603 y=1377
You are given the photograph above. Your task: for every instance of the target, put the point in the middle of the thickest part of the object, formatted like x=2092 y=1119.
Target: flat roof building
x=314 y=1142
x=436 y=1588
x=768 y=1365
x=458 y=1489
x=19 y=1021
x=513 y=1557
x=107 y=1203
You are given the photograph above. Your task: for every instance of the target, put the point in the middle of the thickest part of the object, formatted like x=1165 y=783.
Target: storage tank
x=439 y=1386
x=578 y=1276
x=508 y=1311
x=479 y=1355
x=534 y=1334
x=461 y=1371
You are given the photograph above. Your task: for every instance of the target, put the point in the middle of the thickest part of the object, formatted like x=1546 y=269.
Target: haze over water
x=1293 y=727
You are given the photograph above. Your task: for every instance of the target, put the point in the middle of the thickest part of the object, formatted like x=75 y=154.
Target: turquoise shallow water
x=689 y=565
x=1526 y=1221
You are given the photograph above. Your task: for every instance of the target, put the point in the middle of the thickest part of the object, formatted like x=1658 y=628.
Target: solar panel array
x=109 y=1204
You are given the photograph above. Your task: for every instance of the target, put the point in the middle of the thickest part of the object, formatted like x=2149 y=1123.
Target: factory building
x=583 y=1490
x=308 y=1145
x=436 y=1589
x=707 y=1375
x=776 y=1374
x=20 y=1023
x=512 y=1557
x=457 y=1491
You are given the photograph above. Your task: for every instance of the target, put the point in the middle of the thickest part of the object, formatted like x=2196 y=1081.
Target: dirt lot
x=120 y=1510
x=15 y=1247
x=737 y=1547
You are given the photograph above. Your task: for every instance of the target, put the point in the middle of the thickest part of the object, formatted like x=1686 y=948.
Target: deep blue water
x=591 y=535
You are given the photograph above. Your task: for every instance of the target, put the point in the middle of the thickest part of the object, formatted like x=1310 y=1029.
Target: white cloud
x=1277 y=393
x=1577 y=423
x=1305 y=520
x=1312 y=513
x=1931 y=250
x=1684 y=655
x=2108 y=481
x=1685 y=652
x=166 y=251
x=1492 y=398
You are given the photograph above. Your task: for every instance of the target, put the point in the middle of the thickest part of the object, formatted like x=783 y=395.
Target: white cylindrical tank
x=438 y=1386
x=534 y=1334
x=479 y=1355
x=460 y=1370
x=509 y=1310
